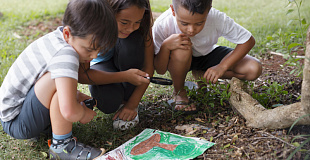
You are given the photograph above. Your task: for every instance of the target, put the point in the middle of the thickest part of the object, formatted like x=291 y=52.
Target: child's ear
x=173 y=12
x=66 y=33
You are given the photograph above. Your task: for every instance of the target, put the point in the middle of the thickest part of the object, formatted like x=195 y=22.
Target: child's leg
x=249 y=68
x=179 y=65
x=198 y=76
x=34 y=117
x=129 y=53
x=109 y=96
x=46 y=92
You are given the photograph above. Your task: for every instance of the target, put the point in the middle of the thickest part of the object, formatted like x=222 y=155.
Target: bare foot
x=182 y=101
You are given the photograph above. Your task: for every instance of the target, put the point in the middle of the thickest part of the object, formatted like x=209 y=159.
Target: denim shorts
x=212 y=59
x=32 y=120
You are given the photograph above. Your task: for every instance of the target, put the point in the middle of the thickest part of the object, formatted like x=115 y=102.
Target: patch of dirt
x=234 y=140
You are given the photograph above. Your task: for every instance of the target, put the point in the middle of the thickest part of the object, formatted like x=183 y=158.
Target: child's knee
x=181 y=55
x=255 y=70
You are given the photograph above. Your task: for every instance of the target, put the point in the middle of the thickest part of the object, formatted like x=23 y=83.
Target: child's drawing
x=153 y=144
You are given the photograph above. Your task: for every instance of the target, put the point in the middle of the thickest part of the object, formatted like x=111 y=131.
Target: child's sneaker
x=74 y=150
x=123 y=125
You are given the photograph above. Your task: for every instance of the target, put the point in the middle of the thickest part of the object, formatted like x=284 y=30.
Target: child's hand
x=136 y=77
x=178 y=41
x=81 y=96
x=88 y=116
x=214 y=73
x=126 y=113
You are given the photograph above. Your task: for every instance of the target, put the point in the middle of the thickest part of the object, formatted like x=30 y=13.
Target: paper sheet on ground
x=153 y=144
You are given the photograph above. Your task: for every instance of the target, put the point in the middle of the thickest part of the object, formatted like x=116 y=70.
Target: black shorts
x=213 y=58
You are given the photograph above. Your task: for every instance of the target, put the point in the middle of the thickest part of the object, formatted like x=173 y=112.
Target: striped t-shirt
x=50 y=53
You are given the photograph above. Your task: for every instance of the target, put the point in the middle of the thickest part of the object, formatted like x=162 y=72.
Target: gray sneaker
x=75 y=150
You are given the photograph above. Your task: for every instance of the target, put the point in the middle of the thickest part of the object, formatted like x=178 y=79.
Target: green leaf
x=44 y=154
x=289 y=11
x=227 y=145
x=299 y=97
x=296 y=144
x=277 y=105
x=289 y=22
x=292 y=45
x=269 y=38
x=303 y=21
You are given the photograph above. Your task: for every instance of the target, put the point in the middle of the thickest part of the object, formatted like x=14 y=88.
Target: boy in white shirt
x=185 y=38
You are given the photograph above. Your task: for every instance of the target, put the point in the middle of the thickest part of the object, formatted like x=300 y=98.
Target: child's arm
x=70 y=107
x=175 y=41
x=241 y=50
x=92 y=76
x=129 y=110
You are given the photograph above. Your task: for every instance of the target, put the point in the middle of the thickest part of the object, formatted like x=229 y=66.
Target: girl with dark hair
x=117 y=76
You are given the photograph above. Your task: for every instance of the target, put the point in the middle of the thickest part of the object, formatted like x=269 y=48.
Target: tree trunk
x=305 y=88
x=281 y=117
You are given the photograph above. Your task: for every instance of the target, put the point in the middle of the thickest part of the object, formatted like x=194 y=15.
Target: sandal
x=76 y=150
x=173 y=104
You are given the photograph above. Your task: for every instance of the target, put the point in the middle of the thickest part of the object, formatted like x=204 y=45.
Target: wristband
x=90 y=103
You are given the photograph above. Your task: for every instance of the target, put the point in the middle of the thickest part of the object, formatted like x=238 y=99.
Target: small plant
x=301 y=21
x=274 y=92
x=210 y=93
x=293 y=47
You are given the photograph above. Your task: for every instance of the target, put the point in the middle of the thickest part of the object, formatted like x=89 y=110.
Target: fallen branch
x=280 y=54
x=277 y=139
x=268 y=134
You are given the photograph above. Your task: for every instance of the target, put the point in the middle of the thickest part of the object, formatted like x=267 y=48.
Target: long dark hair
x=147 y=21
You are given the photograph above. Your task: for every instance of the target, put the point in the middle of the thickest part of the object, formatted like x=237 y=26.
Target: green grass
x=267 y=20
x=160 y=5
x=14 y=19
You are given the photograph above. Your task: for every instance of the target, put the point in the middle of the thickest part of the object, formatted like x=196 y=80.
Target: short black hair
x=95 y=17
x=193 y=6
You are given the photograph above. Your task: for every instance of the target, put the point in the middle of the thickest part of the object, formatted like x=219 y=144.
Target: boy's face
x=81 y=45
x=189 y=24
x=128 y=20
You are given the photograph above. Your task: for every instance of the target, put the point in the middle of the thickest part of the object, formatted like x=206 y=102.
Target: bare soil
x=234 y=140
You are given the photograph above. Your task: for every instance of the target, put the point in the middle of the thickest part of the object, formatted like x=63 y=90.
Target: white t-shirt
x=218 y=24
x=50 y=53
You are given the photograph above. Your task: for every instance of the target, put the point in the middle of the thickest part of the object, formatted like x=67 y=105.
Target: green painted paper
x=187 y=147
x=150 y=144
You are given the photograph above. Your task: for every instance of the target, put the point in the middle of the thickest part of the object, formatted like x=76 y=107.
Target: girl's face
x=128 y=20
x=81 y=45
